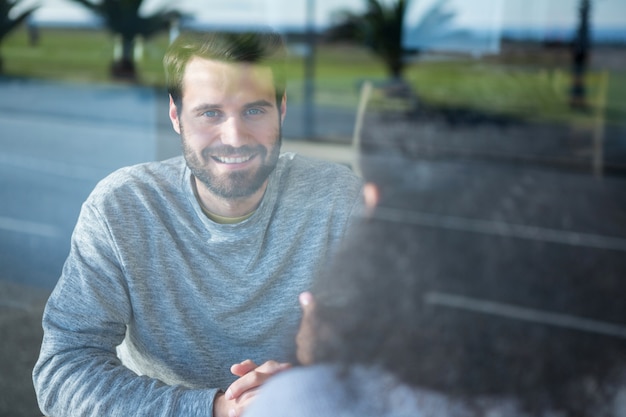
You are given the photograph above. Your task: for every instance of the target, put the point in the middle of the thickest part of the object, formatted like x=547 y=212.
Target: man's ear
x=371 y=195
x=174 y=116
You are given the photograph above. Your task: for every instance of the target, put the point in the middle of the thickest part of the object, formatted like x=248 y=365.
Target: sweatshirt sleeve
x=78 y=372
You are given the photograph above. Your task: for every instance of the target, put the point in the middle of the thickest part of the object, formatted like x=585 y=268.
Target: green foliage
x=523 y=87
x=68 y=55
x=8 y=23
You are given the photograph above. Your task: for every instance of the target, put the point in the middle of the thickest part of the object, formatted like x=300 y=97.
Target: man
x=194 y=264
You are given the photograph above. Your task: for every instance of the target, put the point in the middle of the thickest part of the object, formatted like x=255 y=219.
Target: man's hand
x=241 y=392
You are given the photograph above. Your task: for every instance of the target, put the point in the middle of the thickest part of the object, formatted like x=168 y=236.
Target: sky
x=276 y=12
x=470 y=13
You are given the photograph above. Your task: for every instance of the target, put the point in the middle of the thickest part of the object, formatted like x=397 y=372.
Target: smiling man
x=231 y=144
x=179 y=295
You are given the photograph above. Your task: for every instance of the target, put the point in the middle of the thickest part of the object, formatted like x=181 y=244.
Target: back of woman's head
x=399 y=297
x=446 y=301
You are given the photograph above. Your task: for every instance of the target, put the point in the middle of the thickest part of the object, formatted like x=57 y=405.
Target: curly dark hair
x=377 y=306
x=472 y=315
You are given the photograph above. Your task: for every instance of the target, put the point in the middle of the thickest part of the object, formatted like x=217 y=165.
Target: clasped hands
x=243 y=390
x=251 y=376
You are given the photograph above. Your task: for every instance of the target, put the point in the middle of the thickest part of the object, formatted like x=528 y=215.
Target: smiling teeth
x=227 y=160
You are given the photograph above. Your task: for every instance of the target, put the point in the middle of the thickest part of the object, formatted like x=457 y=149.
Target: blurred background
x=533 y=90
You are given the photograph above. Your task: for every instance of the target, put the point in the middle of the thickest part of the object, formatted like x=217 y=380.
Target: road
x=56 y=142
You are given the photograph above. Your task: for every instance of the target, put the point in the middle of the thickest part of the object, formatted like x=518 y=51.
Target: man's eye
x=254 y=112
x=211 y=113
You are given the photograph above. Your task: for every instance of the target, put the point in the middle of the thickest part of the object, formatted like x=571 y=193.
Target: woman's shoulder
x=326 y=390
x=302 y=382
x=302 y=391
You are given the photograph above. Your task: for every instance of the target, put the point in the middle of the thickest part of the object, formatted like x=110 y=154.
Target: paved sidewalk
x=334 y=152
x=21 y=308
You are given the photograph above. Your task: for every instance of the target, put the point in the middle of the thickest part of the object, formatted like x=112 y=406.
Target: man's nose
x=233 y=132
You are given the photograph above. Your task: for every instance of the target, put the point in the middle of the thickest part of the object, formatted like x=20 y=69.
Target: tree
x=380 y=29
x=8 y=23
x=122 y=18
x=382 y=26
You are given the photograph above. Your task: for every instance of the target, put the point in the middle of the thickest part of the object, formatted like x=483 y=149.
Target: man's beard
x=236 y=184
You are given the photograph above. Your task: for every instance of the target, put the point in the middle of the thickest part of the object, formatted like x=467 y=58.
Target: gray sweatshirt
x=182 y=296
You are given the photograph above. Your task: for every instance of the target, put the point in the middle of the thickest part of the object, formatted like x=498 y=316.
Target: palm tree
x=382 y=26
x=8 y=24
x=122 y=18
x=379 y=28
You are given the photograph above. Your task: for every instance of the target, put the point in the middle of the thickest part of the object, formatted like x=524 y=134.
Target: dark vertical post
x=580 y=57
x=309 y=72
x=33 y=30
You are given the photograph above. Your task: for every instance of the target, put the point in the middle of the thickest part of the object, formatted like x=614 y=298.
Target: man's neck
x=223 y=207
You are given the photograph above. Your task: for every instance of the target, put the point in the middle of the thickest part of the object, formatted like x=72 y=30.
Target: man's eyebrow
x=201 y=108
x=259 y=103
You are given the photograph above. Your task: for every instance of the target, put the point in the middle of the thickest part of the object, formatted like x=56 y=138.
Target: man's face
x=230 y=126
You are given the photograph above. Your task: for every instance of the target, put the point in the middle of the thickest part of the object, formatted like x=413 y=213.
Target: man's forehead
x=225 y=83
x=201 y=69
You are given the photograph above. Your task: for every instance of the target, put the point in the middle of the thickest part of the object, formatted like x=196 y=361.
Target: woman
x=423 y=314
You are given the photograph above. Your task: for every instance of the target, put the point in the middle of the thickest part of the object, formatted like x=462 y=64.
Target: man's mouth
x=232 y=159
